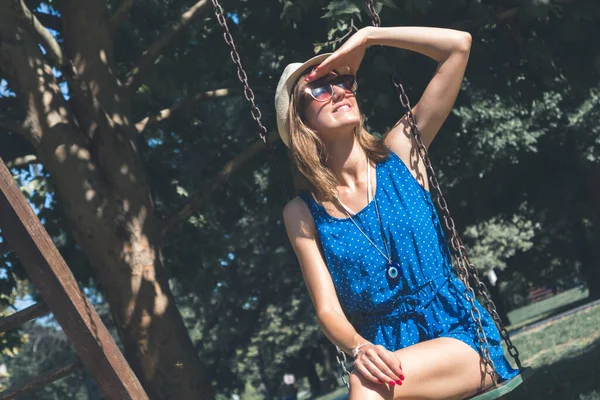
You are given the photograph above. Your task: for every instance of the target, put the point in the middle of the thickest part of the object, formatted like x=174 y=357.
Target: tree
x=46 y=347
x=89 y=146
x=147 y=125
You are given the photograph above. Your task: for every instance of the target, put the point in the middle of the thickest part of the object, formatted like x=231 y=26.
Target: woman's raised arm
x=450 y=48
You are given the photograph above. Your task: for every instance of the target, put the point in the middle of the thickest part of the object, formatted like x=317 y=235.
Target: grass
x=335 y=395
x=565 y=353
x=543 y=309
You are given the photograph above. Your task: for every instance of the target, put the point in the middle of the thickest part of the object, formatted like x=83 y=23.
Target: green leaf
x=341 y=7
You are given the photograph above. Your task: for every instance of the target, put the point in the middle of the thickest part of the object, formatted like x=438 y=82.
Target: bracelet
x=356 y=350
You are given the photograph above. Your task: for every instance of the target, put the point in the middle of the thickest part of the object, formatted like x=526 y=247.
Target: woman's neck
x=347 y=161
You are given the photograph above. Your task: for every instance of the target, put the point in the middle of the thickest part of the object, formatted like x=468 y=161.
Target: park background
x=148 y=172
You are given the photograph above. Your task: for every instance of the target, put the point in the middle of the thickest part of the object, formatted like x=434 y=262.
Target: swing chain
x=373 y=12
x=241 y=73
x=465 y=266
x=491 y=308
x=460 y=254
x=341 y=359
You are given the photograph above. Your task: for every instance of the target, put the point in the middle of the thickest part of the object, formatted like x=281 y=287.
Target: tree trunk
x=590 y=237
x=313 y=377
x=329 y=373
x=269 y=389
x=494 y=289
x=589 y=260
x=89 y=150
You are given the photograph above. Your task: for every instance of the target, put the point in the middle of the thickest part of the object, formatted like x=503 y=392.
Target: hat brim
x=284 y=91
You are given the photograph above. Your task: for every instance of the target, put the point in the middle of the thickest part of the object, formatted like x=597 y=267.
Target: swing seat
x=505 y=387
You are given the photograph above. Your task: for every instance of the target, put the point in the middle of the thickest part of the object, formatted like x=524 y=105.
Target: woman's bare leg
x=443 y=368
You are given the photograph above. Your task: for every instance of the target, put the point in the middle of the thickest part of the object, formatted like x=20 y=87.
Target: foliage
x=497 y=240
x=47 y=348
x=517 y=158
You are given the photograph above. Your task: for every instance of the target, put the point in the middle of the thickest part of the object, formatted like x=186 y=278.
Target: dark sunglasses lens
x=321 y=92
x=347 y=82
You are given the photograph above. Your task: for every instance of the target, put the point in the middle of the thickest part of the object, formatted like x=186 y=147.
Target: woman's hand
x=379 y=365
x=349 y=55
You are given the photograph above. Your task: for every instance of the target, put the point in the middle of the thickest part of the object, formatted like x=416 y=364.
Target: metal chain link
x=341 y=359
x=460 y=255
x=491 y=308
x=241 y=73
x=375 y=20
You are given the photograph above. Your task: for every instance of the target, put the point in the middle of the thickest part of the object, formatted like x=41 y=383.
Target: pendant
x=393 y=269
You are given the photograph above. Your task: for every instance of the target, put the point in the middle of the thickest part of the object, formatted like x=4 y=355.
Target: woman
x=366 y=232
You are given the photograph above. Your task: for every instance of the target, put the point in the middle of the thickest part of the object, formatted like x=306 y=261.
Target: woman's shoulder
x=295 y=207
x=399 y=140
x=297 y=215
x=392 y=157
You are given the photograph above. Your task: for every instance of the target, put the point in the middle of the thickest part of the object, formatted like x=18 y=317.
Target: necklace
x=392 y=266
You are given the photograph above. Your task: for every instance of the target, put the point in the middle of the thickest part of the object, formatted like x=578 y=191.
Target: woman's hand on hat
x=379 y=365
x=344 y=60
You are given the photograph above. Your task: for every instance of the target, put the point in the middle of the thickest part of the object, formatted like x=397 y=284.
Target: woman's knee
x=362 y=388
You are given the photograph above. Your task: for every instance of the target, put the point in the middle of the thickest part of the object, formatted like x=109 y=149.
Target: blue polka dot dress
x=426 y=300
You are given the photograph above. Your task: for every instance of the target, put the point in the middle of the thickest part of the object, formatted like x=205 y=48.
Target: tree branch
x=94 y=88
x=49 y=21
x=157 y=48
x=42 y=380
x=120 y=15
x=38 y=30
x=23 y=161
x=168 y=112
x=17 y=319
x=12 y=126
x=189 y=101
x=197 y=201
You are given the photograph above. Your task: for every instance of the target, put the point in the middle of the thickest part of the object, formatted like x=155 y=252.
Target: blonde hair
x=309 y=154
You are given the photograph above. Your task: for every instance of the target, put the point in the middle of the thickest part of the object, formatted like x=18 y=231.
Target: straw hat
x=284 y=91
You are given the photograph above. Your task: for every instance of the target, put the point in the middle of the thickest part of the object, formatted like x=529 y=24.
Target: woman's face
x=338 y=114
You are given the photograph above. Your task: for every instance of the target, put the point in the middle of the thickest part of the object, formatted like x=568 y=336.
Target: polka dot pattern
x=426 y=300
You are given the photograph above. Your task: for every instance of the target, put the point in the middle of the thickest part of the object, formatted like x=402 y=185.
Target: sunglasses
x=322 y=90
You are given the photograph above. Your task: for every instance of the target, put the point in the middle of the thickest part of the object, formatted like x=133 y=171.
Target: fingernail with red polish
x=392 y=383
x=399 y=382
x=401 y=377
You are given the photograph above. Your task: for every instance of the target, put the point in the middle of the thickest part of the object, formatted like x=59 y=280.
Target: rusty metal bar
x=20 y=317
x=52 y=277
x=42 y=380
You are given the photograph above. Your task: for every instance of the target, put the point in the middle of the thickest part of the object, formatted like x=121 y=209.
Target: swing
x=466 y=270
